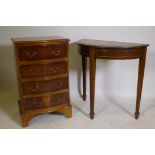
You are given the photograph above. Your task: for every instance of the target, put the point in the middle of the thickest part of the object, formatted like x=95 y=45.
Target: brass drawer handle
x=31 y=55
x=56 y=53
x=57 y=100
x=35 y=71
x=59 y=85
x=56 y=69
x=35 y=90
x=36 y=104
x=32 y=89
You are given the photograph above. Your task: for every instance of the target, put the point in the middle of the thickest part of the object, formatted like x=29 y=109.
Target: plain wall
x=113 y=77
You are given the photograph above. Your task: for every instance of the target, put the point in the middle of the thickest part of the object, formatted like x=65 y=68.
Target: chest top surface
x=109 y=44
x=38 y=39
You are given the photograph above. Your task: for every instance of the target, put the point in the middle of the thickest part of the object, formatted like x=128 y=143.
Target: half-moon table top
x=109 y=44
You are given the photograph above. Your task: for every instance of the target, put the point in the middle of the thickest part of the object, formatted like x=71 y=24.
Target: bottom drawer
x=45 y=102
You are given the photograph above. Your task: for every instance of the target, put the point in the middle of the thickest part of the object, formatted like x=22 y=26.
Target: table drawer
x=36 y=52
x=119 y=53
x=45 y=102
x=45 y=86
x=32 y=71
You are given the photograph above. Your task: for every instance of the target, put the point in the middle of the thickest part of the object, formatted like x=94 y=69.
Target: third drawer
x=45 y=86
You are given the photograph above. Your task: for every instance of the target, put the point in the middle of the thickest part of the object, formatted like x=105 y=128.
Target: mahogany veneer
x=43 y=76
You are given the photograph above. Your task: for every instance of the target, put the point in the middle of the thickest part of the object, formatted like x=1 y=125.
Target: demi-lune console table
x=98 y=49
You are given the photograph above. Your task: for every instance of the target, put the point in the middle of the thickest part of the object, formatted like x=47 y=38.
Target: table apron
x=116 y=54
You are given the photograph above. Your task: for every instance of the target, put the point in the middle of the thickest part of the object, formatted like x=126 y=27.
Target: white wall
x=114 y=78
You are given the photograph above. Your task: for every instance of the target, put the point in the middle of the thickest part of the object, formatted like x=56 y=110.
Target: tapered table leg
x=140 y=83
x=92 y=65
x=84 y=68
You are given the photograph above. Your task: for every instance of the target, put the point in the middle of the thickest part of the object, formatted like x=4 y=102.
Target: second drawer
x=40 y=70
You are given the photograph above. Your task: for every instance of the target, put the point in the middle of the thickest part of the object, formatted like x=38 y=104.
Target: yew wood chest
x=43 y=76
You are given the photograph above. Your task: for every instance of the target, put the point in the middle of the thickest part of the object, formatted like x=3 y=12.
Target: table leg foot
x=137 y=115
x=84 y=97
x=92 y=115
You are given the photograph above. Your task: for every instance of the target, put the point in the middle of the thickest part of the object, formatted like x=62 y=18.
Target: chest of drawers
x=43 y=76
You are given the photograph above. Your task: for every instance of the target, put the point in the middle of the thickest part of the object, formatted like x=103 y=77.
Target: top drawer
x=42 y=52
